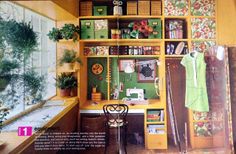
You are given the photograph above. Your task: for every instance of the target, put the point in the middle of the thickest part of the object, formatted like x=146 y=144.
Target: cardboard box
x=143 y=7
x=132 y=8
x=156 y=8
x=87 y=29
x=100 y=10
x=101 y=29
x=86 y=8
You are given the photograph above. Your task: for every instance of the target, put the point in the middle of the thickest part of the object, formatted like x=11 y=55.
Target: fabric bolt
x=196 y=97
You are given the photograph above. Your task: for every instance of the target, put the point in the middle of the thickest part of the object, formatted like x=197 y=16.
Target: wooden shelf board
x=154 y=123
x=175 y=40
x=121 y=40
x=119 y=17
x=174 y=56
x=176 y=17
x=67 y=71
x=124 y=56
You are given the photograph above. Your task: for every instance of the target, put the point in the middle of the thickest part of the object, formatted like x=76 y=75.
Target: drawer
x=101 y=29
x=87 y=29
x=101 y=34
x=155 y=24
x=155 y=35
x=156 y=141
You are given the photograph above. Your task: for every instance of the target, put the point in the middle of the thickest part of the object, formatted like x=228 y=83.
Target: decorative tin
x=100 y=10
x=87 y=29
x=101 y=29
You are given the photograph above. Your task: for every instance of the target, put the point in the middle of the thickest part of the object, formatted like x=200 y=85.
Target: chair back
x=115 y=114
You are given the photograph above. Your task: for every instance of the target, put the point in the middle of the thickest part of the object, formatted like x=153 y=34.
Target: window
x=42 y=60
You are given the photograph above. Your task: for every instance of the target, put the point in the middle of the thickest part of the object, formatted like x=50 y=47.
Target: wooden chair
x=116 y=119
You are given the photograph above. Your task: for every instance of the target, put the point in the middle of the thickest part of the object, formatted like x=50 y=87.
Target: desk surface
x=91 y=107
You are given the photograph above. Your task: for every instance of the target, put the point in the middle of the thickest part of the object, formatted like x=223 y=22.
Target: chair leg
x=107 y=133
x=125 y=139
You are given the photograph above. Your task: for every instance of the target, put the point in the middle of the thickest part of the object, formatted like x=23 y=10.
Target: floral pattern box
x=203 y=7
x=203 y=28
x=176 y=7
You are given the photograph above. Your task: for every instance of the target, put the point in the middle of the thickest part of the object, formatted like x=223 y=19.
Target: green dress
x=196 y=92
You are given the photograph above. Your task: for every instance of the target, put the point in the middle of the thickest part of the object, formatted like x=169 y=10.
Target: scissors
x=117 y=2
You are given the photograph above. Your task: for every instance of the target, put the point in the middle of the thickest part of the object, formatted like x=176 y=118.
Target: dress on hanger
x=196 y=92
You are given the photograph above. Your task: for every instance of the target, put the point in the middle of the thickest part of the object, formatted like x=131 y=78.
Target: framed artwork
x=125 y=62
x=146 y=70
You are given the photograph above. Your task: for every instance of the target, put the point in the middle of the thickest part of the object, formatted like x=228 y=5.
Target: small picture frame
x=124 y=62
x=146 y=70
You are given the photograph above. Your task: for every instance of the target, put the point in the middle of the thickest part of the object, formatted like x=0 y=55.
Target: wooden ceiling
x=55 y=9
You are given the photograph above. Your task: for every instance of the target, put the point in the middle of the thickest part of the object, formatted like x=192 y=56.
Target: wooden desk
x=90 y=107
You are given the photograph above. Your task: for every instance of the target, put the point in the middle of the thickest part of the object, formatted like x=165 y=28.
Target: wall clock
x=97 y=68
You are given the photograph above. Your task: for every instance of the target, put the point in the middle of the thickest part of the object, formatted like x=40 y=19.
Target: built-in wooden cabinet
x=107 y=42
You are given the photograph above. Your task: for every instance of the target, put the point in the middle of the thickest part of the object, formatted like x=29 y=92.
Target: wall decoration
x=146 y=71
x=203 y=7
x=203 y=28
x=176 y=8
x=97 y=68
x=203 y=129
x=202 y=46
x=126 y=62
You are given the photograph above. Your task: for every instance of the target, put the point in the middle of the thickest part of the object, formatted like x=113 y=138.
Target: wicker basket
x=86 y=8
x=132 y=7
x=156 y=8
x=143 y=7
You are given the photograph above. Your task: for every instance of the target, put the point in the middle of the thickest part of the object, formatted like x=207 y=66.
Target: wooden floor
x=140 y=149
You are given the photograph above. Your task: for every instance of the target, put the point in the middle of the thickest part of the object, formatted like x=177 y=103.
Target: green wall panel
x=99 y=80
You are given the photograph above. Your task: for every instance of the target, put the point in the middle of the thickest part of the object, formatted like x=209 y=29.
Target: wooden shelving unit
x=191 y=42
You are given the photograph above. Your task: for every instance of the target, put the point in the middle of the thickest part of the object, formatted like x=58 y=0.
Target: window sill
x=15 y=143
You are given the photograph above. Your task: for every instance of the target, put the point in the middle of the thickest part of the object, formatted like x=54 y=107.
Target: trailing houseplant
x=68 y=58
x=20 y=36
x=54 y=34
x=63 y=83
x=70 y=31
x=17 y=43
x=34 y=85
x=6 y=66
x=3 y=113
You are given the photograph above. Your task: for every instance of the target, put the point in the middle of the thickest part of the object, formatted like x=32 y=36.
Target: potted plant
x=68 y=58
x=63 y=82
x=54 y=34
x=73 y=86
x=70 y=31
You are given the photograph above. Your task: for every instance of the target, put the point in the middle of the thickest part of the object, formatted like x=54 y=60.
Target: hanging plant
x=33 y=84
x=54 y=34
x=70 y=31
x=20 y=36
x=6 y=66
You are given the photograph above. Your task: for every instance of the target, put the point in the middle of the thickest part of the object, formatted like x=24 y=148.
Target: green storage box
x=87 y=29
x=155 y=35
x=101 y=29
x=100 y=10
x=155 y=24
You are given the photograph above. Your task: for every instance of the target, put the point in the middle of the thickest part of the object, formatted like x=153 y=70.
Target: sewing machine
x=139 y=92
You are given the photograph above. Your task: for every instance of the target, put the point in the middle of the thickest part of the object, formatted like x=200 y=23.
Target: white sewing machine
x=139 y=92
